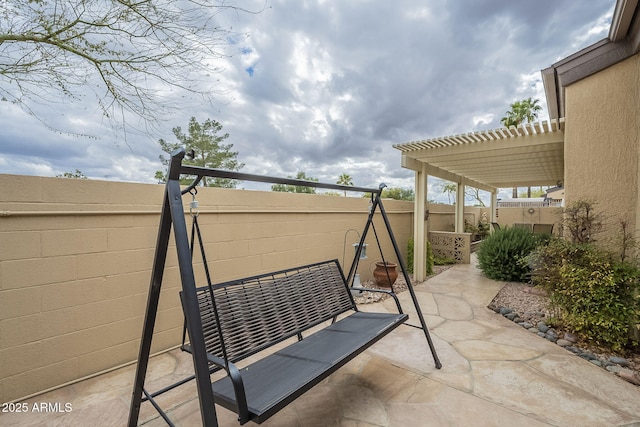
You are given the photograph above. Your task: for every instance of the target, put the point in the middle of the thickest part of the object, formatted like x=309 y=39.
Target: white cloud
x=483 y=119
x=328 y=87
x=593 y=31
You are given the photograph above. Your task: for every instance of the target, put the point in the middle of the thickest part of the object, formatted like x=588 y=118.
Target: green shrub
x=429 y=258
x=443 y=261
x=502 y=255
x=410 y=254
x=592 y=294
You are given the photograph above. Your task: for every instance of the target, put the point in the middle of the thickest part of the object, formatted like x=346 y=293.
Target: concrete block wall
x=75 y=259
x=544 y=215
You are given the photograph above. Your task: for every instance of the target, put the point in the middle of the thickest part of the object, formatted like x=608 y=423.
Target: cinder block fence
x=75 y=258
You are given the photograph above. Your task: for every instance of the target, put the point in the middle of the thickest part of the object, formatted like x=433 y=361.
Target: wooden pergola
x=527 y=155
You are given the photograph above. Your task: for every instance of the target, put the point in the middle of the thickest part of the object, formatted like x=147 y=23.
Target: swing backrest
x=260 y=311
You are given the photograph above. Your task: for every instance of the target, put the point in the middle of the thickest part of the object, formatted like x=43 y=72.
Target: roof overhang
x=527 y=155
x=622 y=42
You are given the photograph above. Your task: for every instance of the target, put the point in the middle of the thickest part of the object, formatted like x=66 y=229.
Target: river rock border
x=616 y=365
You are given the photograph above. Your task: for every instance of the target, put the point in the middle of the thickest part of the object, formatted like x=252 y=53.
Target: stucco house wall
x=602 y=143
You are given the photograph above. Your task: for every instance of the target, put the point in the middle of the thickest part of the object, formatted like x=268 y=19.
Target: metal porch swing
x=228 y=322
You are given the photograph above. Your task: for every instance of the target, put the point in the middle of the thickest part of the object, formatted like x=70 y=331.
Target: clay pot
x=382 y=274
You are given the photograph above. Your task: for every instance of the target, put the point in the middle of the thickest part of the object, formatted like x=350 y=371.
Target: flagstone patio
x=494 y=373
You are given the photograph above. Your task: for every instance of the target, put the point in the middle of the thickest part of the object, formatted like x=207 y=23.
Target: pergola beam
x=531 y=154
x=416 y=165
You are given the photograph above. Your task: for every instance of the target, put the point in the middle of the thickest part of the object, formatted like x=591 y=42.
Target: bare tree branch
x=127 y=54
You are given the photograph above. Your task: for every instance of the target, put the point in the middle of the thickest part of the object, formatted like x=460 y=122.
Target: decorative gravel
x=529 y=307
x=400 y=285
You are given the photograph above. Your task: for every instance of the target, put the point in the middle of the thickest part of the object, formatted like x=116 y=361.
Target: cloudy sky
x=327 y=87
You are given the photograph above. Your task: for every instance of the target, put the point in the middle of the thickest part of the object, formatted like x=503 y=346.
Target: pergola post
x=494 y=206
x=419 y=228
x=459 y=226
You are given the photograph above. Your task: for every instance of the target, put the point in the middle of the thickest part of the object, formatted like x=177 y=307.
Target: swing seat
x=256 y=313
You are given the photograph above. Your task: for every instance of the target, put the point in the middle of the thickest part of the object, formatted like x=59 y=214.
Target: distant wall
x=442 y=217
x=543 y=215
x=75 y=258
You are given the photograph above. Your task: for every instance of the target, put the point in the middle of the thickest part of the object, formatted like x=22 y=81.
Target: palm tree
x=450 y=189
x=345 y=180
x=528 y=110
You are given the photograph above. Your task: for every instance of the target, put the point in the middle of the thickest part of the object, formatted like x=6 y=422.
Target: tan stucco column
x=419 y=228
x=459 y=226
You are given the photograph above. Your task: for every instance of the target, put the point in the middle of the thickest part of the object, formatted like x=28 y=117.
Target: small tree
x=475 y=194
x=77 y=175
x=128 y=55
x=581 y=222
x=395 y=193
x=627 y=243
x=209 y=151
x=296 y=188
x=398 y=194
x=450 y=188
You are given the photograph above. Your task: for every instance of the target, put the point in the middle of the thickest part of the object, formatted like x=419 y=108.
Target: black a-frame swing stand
x=276 y=380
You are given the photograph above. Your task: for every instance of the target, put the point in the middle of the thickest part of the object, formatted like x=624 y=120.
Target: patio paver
x=494 y=373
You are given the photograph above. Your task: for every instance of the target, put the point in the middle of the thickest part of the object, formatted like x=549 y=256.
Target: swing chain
x=194 y=205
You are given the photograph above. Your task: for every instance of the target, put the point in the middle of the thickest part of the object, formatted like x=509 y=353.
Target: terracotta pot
x=382 y=274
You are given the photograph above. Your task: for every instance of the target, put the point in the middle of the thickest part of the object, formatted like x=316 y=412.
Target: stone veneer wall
x=75 y=259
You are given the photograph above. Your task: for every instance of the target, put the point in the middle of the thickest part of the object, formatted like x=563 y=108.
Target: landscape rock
x=630 y=376
x=587 y=355
x=619 y=361
x=570 y=336
x=513 y=303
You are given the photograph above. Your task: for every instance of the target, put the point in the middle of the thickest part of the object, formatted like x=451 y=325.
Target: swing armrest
x=236 y=380
x=238 y=386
